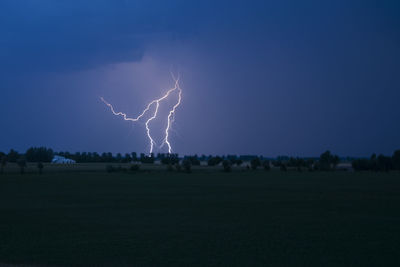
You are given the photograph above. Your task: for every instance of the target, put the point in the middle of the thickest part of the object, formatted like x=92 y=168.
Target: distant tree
x=227 y=165
x=255 y=163
x=89 y=157
x=373 y=163
x=110 y=157
x=147 y=159
x=22 y=164
x=384 y=163
x=127 y=158
x=67 y=155
x=118 y=158
x=12 y=156
x=39 y=154
x=194 y=160
x=3 y=163
x=170 y=159
x=187 y=165
x=232 y=158
x=239 y=162
x=40 y=166
x=96 y=157
x=327 y=161
x=360 y=164
x=266 y=165
x=103 y=157
x=396 y=160
x=309 y=163
x=77 y=157
x=134 y=156
x=213 y=161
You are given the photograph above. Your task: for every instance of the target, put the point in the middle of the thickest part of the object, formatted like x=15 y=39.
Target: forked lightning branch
x=153 y=109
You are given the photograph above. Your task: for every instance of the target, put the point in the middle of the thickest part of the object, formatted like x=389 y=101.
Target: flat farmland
x=203 y=218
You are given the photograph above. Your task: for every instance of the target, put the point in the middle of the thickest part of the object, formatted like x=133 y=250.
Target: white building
x=62 y=160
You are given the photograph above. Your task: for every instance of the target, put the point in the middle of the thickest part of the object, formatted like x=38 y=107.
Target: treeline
x=378 y=163
x=325 y=162
x=43 y=154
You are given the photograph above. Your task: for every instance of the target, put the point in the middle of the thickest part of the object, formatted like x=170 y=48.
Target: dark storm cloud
x=62 y=35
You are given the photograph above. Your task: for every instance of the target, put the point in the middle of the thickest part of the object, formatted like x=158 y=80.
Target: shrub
x=187 y=165
x=227 y=165
x=178 y=167
x=255 y=163
x=40 y=166
x=134 y=167
x=266 y=165
x=3 y=163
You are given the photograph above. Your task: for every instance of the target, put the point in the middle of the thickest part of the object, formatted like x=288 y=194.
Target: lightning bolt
x=156 y=103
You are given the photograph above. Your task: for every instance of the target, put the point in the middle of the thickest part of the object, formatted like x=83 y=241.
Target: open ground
x=160 y=218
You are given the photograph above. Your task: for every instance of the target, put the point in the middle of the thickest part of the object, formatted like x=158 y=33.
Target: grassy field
x=157 y=218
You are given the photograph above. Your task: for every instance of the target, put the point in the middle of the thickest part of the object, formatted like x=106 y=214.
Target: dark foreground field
x=201 y=219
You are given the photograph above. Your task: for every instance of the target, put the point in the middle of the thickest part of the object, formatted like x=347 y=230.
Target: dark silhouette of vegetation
x=118 y=158
x=170 y=167
x=266 y=165
x=227 y=164
x=327 y=161
x=378 y=163
x=127 y=158
x=235 y=160
x=135 y=167
x=22 y=164
x=40 y=166
x=168 y=159
x=194 y=160
x=255 y=163
x=3 y=163
x=12 y=156
x=214 y=161
x=396 y=160
x=187 y=165
x=178 y=167
x=147 y=159
x=39 y=154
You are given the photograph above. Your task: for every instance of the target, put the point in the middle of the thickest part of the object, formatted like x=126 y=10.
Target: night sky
x=258 y=77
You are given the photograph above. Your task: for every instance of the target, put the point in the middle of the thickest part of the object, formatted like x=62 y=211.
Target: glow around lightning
x=156 y=103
